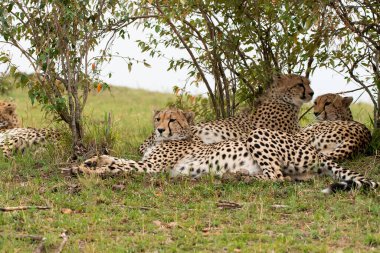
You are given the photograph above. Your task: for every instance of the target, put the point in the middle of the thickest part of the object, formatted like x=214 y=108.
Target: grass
x=140 y=213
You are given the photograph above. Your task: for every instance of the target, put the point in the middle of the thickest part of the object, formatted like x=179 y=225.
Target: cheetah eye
x=315 y=103
x=327 y=103
x=300 y=85
x=157 y=119
x=172 y=120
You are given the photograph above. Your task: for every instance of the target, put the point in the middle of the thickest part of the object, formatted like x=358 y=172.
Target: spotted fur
x=280 y=154
x=265 y=155
x=333 y=107
x=278 y=109
x=8 y=116
x=13 y=138
x=336 y=135
x=179 y=154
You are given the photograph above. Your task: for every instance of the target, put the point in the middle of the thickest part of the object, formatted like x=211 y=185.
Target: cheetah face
x=7 y=107
x=332 y=107
x=293 y=89
x=172 y=124
x=8 y=118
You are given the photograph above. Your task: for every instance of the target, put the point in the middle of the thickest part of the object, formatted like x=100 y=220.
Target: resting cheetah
x=277 y=110
x=265 y=155
x=282 y=154
x=333 y=107
x=13 y=138
x=337 y=136
x=8 y=116
x=175 y=149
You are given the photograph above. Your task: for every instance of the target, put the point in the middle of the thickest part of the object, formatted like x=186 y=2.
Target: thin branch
x=361 y=88
x=306 y=112
x=18 y=208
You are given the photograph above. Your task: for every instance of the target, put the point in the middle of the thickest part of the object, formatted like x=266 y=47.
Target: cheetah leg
x=147 y=142
x=111 y=165
x=341 y=153
x=348 y=179
x=272 y=172
x=11 y=145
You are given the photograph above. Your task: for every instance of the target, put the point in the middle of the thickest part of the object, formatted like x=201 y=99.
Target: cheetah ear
x=276 y=77
x=190 y=117
x=155 y=112
x=347 y=101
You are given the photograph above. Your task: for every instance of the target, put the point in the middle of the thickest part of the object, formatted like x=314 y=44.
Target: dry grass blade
x=64 y=237
x=41 y=246
x=279 y=206
x=18 y=208
x=228 y=205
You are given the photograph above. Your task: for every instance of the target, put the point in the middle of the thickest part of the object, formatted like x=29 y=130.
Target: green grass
x=139 y=213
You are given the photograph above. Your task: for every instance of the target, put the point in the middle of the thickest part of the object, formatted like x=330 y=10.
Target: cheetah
x=277 y=109
x=336 y=135
x=263 y=155
x=333 y=107
x=8 y=116
x=175 y=149
x=280 y=154
x=14 y=138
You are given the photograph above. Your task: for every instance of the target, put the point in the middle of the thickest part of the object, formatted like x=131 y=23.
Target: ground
x=140 y=213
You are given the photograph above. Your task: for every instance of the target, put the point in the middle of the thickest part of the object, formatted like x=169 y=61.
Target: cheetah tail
x=349 y=185
x=348 y=179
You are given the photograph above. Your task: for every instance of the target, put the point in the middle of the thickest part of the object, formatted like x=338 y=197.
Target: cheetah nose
x=311 y=94
x=160 y=130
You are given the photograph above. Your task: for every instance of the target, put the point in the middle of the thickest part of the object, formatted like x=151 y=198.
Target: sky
x=157 y=78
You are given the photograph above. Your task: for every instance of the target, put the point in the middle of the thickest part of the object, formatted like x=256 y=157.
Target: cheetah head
x=172 y=124
x=98 y=161
x=293 y=89
x=8 y=117
x=332 y=107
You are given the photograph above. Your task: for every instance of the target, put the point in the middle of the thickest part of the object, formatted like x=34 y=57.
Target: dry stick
x=64 y=240
x=41 y=246
x=32 y=237
x=17 y=208
x=361 y=88
x=228 y=205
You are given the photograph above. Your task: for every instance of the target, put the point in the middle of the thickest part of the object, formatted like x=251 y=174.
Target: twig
x=64 y=240
x=361 y=88
x=137 y=207
x=17 y=208
x=308 y=110
x=228 y=205
x=32 y=237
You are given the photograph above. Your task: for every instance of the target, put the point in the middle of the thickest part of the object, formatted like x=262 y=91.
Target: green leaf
x=12 y=70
